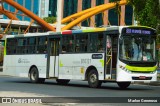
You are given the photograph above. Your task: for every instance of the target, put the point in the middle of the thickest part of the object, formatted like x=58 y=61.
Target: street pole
x=59 y=13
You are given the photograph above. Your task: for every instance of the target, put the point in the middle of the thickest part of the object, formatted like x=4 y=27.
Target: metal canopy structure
x=71 y=21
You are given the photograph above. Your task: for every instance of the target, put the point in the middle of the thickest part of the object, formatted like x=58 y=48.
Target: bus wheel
x=123 y=85
x=93 y=80
x=34 y=76
x=62 y=81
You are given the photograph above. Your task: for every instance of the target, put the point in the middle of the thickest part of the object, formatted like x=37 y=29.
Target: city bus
x=121 y=54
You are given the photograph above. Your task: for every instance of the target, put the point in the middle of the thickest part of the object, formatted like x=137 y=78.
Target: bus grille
x=138 y=78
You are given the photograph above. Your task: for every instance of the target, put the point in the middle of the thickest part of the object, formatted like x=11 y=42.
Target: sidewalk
x=157 y=83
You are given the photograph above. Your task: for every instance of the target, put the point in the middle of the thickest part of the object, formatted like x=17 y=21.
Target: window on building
x=28 y=5
x=35 y=6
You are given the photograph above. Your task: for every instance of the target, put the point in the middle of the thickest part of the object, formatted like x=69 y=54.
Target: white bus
x=122 y=54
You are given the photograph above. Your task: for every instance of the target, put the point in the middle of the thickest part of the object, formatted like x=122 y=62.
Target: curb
x=157 y=83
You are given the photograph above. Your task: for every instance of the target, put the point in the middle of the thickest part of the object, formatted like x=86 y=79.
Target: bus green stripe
x=94 y=30
x=5 y=47
x=142 y=69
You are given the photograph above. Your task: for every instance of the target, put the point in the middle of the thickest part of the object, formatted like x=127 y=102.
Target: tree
x=147 y=12
x=50 y=19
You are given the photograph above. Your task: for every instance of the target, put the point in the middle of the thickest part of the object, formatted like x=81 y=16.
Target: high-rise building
x=45 y=8
x=72 y=6
x=38 y=7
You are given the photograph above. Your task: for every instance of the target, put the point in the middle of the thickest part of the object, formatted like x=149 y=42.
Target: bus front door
x=53 y=57
x=111 y=57
x=108 y=57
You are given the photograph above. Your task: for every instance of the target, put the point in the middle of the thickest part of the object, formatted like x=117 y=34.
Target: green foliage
x=147 y=12
x=50 y=19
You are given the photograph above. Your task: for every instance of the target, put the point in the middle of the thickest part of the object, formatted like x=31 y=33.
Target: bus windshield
x=136 y=48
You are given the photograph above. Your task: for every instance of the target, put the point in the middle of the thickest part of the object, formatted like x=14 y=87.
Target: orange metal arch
x=8 y=14
x=92 y=13
x=30 y=14
x=79 y=14
x=78 y=17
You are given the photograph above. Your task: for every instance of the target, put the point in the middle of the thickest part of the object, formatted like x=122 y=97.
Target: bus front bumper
x=136 y=77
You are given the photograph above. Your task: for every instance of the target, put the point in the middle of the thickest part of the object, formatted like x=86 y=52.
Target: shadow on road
x=84 y=84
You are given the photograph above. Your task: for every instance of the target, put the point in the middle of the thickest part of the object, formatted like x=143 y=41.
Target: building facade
x=73 y=6
x=38 y=7
x=45 y=8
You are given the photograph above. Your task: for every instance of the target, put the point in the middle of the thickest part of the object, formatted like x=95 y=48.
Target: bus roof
x=90 y=30
x=83 y=30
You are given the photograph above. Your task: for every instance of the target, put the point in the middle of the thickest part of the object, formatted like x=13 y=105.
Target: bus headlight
x=153 y=72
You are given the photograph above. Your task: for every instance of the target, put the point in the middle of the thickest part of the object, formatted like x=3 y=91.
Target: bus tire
x=93 y=80
x=34 y=76
x=123 y=85
x=62 y=81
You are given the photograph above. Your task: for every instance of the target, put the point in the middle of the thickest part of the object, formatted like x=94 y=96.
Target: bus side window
x=20 y=46
x=25 y=46
x=81 y=43
x=93 y=42
x=101 y=43
x=31 y=45
x=96 y=42
x=68 y=43
x=11 y=46
x=63 y=49
x=77 y=49
x=42 y=45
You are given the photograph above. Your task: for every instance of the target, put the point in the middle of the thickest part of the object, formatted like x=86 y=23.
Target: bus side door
x=53 y=57
x=1 y=54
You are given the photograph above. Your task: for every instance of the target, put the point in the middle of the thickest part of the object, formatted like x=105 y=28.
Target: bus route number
x=85 y=61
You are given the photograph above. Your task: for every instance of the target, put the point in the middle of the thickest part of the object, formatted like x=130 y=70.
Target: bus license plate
x=142 y=77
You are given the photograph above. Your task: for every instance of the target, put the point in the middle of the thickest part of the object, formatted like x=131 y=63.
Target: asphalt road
x=75 y=89
x=21 y=87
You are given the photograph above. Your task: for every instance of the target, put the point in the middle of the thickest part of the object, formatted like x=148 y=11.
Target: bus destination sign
x=138 y=31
